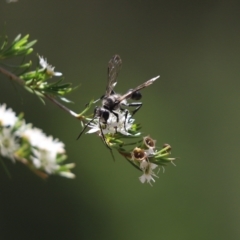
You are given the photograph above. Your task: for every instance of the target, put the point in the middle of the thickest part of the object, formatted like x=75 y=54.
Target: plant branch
x=12 y=76
x=50 y=98
x=63 y=107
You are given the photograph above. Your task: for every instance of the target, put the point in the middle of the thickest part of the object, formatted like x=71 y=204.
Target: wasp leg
x=138 y=105
x=115 y=114
x=126 y=114
x=87 y=124
x=105 y=142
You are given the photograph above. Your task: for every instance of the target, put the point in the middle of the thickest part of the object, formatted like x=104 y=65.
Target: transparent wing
x=146 y=84
x=114 y=67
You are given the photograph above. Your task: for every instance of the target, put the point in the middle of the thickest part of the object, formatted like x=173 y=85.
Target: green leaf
x=21 y=42
x=16 y=39
x=66 y=100
x=30 y=44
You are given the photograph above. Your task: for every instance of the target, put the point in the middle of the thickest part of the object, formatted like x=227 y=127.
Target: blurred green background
x=194 y=106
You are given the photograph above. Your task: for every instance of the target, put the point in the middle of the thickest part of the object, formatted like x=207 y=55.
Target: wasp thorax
x=109 y=102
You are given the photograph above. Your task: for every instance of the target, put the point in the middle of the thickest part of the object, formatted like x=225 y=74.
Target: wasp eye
x=136 y=95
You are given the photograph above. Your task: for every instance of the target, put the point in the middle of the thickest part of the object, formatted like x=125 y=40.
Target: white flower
x=45 y=149
x=8 y=143
x=53 y=145
x=7 y=116
x=39 y=139
x=150 y=152
x=148 y=173
x=113 y=126
x=35 y=136
x=45 y=152
x=49 y=68
x=45 y=159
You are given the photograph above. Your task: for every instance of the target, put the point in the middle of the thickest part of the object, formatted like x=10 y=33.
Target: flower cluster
x=40 y=80
x=21 y=142
x=147 y=158
x=112 y=126
x=144 y=156
x=112 y=122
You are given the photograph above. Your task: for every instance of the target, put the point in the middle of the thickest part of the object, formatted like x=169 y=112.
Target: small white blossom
x=44 y=152
x=150 y=151
x=45 y=149
x=8 y=143
x=49 y=68
x=53 y=145
x=45 y=159
x=148 y=173
x=39 y=139
x=7 y=116
x=34 y=135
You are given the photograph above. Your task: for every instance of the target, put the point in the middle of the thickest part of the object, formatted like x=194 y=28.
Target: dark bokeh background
x=194 y=106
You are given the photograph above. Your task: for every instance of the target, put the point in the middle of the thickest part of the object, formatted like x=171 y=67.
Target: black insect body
x=113 y=102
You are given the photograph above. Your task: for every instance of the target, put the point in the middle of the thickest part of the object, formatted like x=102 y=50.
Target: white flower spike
x=22 y=142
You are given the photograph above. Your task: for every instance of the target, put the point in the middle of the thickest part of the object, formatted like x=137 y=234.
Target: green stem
x=5 y=168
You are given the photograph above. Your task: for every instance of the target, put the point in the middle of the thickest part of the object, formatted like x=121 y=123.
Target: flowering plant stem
x=15 y=78
x=5 y=168
x=112 y=122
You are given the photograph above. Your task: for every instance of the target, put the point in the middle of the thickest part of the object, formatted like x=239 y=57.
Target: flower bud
x=138 y=154
x=149 y=142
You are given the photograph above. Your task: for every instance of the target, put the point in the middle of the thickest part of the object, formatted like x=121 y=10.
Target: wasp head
x=136 y=95
x=102 y=113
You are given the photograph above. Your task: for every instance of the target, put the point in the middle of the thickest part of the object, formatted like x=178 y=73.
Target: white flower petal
x=49 y=69
x=57 y=74
x=148 y=173
x=7 y=116
x=93 y=130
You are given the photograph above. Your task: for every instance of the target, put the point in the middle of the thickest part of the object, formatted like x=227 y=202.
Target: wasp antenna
x=80 y=134
x=152 y=80
x=156 y=78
